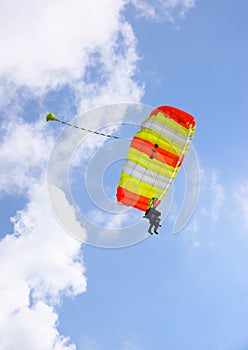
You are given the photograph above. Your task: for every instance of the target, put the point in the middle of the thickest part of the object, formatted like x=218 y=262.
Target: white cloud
x=46 y=42
x=114 y=81
x=39 y=261
x=66 y=213
x=33 y=327
x=162 y=10
x=109 y=220
x=24 y=150
x=60 y=44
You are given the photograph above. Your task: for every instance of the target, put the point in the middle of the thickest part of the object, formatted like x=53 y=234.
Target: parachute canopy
x=154 y=157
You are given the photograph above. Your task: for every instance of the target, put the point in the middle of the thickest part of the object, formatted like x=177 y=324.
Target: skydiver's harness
x=152 y=214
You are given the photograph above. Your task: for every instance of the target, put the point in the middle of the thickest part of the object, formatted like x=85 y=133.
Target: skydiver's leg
x=150 y=229
x=156 y=226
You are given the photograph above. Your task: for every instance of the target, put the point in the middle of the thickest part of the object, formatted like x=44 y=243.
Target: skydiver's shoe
x=156 y=232
x=151 y=233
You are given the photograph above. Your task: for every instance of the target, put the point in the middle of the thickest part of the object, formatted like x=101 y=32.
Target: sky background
x=184 y=291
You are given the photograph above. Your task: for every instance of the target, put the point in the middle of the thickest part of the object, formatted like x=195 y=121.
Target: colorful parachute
x=154 y=157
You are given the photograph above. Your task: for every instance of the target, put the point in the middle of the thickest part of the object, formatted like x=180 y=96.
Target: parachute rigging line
x=51 y=117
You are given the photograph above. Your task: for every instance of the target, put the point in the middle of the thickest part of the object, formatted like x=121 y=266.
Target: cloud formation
x=39 y=261
x=48 y=45
x=169 y=10
x=22 y=155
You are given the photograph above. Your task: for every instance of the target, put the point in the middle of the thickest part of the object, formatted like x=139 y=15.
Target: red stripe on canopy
x=183 y=118
x=132 y=199
x=158 y=153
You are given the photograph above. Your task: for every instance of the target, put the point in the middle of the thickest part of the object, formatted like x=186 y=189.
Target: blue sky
x=172 y=291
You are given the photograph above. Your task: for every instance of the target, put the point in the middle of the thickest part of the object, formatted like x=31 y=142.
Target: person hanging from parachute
x=154 y=157
x=153 y=215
